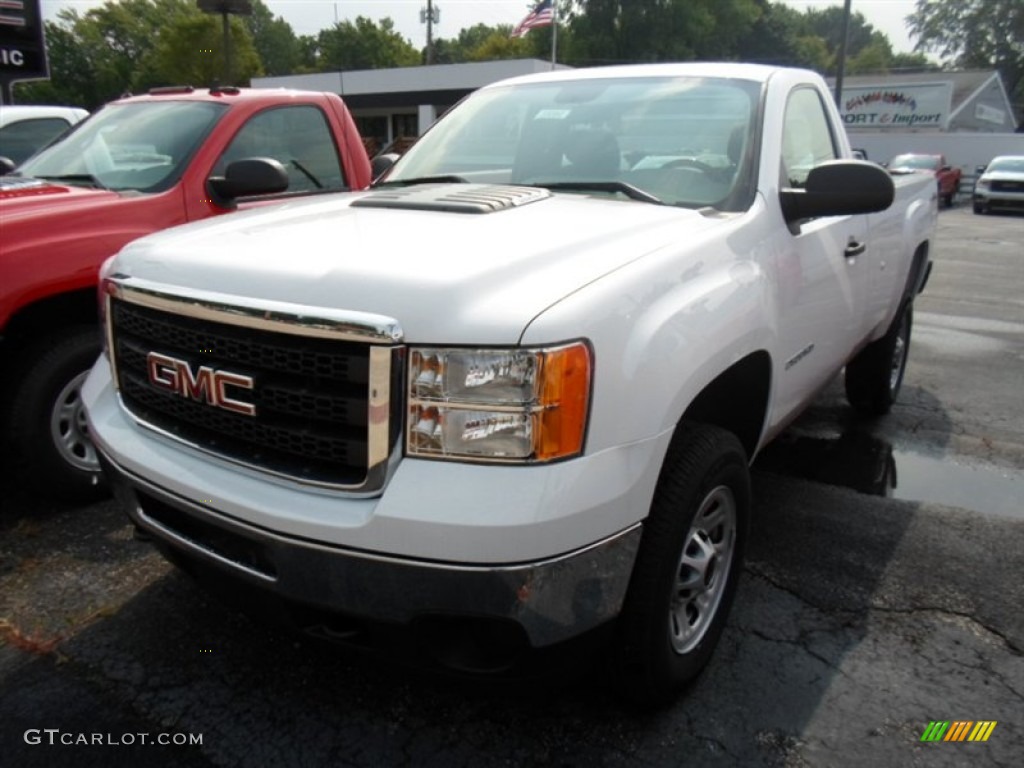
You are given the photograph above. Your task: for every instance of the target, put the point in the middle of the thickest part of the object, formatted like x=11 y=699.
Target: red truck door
x=303 y=137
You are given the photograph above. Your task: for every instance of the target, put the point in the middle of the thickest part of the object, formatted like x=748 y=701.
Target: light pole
x=226 y=8
x=841 y=68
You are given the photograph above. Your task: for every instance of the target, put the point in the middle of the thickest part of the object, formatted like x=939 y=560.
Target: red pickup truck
x=139 y=165
x=947 y=177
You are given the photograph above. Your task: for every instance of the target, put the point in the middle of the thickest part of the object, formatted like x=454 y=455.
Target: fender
x=657 y=350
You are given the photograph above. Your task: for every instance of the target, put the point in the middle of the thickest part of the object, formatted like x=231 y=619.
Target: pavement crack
x=1013 y=647
x=802 y=643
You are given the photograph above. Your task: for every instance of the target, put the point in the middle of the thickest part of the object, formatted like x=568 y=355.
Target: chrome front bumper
x=552 y=600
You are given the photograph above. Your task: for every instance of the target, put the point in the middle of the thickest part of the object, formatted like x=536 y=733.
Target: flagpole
x=554 y=32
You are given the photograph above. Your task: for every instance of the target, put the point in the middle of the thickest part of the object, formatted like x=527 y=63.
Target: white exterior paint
x=17 y=113
x=667 y=297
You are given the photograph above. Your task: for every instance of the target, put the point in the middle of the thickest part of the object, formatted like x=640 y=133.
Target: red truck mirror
x=249 y=177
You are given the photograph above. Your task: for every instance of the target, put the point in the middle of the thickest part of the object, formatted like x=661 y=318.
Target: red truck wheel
x=686 y=570
x=49 y=440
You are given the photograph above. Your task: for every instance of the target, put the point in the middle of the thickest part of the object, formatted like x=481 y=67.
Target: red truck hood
x=24 y=196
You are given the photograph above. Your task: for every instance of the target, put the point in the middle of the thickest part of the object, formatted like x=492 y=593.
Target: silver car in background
x=1001 y=185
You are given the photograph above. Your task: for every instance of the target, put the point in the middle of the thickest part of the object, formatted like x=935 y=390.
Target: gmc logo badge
x=206 y=385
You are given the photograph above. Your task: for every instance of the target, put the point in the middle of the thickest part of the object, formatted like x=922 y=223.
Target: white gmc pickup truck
x=511 y=393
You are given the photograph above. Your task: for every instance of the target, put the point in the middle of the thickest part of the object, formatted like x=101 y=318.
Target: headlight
x=502 y=405
x=981 y=184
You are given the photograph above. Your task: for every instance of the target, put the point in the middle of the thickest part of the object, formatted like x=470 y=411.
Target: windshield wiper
x=305 y=172
x=634 y=193
x=447 y=178
x=76 y=178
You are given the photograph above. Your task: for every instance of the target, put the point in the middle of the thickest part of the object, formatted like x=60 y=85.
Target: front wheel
x=687 y=566
x=874 y=377
x=49 y=439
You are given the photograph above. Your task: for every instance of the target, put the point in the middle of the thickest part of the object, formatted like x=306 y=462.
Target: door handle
x=854 y=248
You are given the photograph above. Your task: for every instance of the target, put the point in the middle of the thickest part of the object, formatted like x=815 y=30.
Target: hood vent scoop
x=453 y=198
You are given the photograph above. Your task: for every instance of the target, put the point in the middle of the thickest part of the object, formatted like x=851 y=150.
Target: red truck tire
x=48 y=435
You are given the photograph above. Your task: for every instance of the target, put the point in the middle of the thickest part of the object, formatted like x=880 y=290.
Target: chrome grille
x=312 y=395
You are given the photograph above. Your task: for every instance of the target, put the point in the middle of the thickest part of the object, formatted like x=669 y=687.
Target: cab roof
x=218 y=94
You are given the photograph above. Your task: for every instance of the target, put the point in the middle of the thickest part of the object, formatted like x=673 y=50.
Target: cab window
x=807 y=137
x=299 y=138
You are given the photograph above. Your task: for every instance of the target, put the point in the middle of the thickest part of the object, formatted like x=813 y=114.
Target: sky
x=307 y=17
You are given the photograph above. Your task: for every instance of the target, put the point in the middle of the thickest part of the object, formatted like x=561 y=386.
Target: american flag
x=541 y=16
x=12 y=13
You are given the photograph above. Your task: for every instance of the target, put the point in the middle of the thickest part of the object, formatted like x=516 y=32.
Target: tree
x=278 y=48
x=309 y=54
x=783 y=36
x=500 y=45
x=614 y=31
x=71 y=80
x=122 y=36
x=912 y=62
x=827 y=23
x=482 y=42
x=133 y=45
x=364 y=45
x=976 y=34
x=190 y=51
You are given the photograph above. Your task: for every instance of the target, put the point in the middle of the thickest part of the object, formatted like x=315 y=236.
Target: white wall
x=962 y=150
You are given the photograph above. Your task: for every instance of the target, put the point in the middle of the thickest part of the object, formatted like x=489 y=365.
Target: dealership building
x=972 y=101
x=965 y=116
x=391 y=104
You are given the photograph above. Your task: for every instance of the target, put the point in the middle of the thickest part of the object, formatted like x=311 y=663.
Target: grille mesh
x=310 y=394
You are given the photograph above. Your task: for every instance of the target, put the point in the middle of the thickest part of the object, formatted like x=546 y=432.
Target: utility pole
x=226 y=8
x=430 y=16
x=841 y=69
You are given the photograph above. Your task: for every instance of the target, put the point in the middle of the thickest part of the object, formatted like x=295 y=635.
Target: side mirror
x=979 y=169
x=381 y=164
x=6 y=165
x=247 y=178
x=839 y=188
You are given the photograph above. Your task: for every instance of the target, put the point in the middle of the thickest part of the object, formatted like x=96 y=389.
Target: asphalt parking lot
x=882 y=592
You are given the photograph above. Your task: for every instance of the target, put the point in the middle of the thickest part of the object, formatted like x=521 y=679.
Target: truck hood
x=449 y=275
x=1003 y=176
x=22 y=197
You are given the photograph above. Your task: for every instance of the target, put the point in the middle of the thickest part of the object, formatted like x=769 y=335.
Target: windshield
x=142 y=146
x=1006 y=165
x=915 y=162
x=681 y=140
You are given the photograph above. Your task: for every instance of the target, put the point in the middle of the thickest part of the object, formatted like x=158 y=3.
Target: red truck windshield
x=143 y=147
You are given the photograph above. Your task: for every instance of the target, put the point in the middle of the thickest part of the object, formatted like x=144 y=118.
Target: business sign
x=921 y=105
x=22 y=48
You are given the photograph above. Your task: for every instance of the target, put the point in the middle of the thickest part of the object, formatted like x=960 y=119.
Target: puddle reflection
x=870 y=465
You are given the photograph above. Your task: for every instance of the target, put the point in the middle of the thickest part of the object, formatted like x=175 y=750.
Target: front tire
x=874 y=377
x=686 y=570
x=49 y=440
